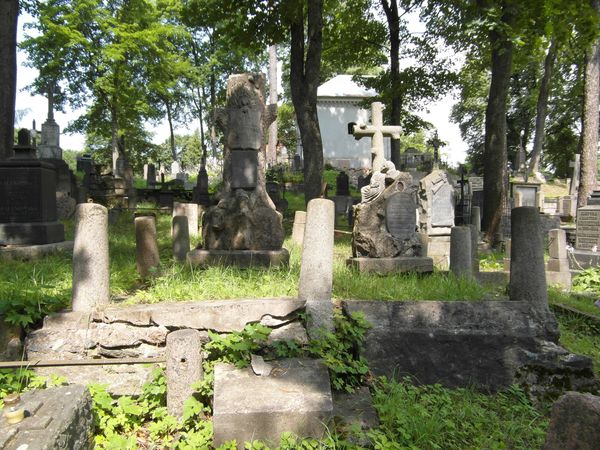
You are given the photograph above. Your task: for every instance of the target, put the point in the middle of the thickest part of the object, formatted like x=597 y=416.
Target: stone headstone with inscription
x=401 y=215
x=28 y=198
x=588 y=228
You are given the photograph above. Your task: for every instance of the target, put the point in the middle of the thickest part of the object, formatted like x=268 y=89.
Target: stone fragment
x=291 y=332
x=181 y=238
x=422 y=264
x=147 y=257
x=575 y=423
x=259 y=366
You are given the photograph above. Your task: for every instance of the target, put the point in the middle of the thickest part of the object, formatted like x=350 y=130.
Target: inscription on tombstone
x=588 y=228
x=476 y=183
x=400 y=215
x=442 y=211
x=244 y=168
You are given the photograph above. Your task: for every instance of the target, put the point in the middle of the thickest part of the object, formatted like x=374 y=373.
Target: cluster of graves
x=405 y=221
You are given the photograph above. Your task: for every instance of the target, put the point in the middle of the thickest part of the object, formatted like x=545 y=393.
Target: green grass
x=583 y=303
x=580 y=336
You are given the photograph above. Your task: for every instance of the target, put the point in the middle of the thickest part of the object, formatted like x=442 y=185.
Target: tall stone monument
x=27 y=198
x=243 y=228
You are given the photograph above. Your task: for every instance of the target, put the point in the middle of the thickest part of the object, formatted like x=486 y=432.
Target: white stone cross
x=377 y=131
x=576 y=165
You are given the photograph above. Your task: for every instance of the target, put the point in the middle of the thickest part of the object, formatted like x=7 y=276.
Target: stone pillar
x=181 y=238
x=316 y=270
x=461 y=262
x=298 y=228
x=184 y=367
x=190 y=210
x=474 y=248
x=539 y=201
x=90 y=257
x=146 y=247
x=476 y=217
x=527 y=271
x=517 y=200
x=507 y=244
x=558 y=261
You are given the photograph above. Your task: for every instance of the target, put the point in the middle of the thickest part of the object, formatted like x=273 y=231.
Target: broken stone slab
x=239 y=258
x=218 y=315
x=34 y=252
x=56 y=418
x=290 y=332
x=355 y=411
x=295 y=397
x=400 y=264
x=116 y=335
x=575 y=423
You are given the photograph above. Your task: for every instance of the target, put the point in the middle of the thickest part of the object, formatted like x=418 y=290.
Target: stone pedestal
x=438 y=249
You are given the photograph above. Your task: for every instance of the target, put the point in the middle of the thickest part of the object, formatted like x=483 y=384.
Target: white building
x=338 y=103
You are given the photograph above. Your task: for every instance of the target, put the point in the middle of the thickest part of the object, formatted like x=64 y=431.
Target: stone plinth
x=58 y=418
x=239 y=258
x=295 y=397
x=399 y=264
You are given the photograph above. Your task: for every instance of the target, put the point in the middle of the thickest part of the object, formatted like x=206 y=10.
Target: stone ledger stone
x=295 y=397
x=575 y=423
x=60 y=418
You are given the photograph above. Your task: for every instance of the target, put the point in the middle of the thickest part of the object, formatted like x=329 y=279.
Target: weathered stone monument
x=200 y=194
x=385 y=237
x=587 y=244
x=28 y=198
x=436 y=215
x=243 y=228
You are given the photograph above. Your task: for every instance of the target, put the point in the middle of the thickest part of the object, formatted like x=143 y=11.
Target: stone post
x=316 y=270
x=517 y=200
x=476 y=217
x=461 y=260
x=190 y=210
x=146 y=248
x=558 y=261
x=507 y=244
x=90 y=257
x=474 y=248
x=527 y=271
x=184 y=367
x=181 y=238
x=298 y=228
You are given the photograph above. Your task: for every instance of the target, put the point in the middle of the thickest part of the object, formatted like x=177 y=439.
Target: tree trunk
x=304 y=81
x=393 y=20
x=542 y=108
x=171 y=132
x=589 y=128
x=495 y=152
x=9 y=13
x=272 y=147
x=114 y=129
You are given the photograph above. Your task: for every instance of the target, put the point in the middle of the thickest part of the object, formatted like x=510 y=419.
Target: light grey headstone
x=401 y=215
x=588 y=228
x=442 y=211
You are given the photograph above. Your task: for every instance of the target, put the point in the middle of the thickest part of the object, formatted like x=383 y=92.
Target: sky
x=36 y=108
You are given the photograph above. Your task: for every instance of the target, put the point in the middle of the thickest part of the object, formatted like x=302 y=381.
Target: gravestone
x=200 y=194
x=342 y=184
x=244 y=220
x=401 y=215
x=28 y=198
x=588 y=228
x=151 y=175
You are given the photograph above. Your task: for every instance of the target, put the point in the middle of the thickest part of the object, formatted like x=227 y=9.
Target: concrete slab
x=239 y=258
x=420 y=264
x=295 y=397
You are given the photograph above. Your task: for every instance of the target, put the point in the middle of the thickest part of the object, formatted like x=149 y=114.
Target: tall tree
x=9 y=13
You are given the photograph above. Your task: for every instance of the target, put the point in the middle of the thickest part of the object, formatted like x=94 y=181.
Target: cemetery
x=345 y=287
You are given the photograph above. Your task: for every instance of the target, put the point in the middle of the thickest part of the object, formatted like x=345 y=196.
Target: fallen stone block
x=575 y=423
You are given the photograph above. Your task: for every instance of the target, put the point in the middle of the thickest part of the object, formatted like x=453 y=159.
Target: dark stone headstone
x=244 y=169
x=151 y=177
x=342 y=184
x=200 y=194
x=400 y=215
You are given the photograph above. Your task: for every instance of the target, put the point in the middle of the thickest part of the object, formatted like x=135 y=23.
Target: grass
x=580 y=336
x=581 y=303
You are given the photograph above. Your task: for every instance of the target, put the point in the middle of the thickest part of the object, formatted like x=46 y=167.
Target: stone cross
x=436 y=142
x=377 y=131
x=50 y=101
x=576 y=165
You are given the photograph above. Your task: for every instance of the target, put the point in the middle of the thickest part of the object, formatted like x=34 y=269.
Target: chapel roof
x=343 y=86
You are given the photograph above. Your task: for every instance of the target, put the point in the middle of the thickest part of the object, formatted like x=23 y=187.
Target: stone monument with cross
x=49 y=147
x=376 y=131
x=244 y=227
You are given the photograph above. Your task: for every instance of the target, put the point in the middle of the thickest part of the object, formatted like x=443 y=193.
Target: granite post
x=184 y=367
x=476 y=217
x=474 y=248
x=298 y=228
x=181 y=238
x=461 y=259
x=90 y=257
x=527 y=271
x=316 y=271
x=146 y=248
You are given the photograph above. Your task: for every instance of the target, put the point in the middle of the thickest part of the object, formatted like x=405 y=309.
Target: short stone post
x=298 y=228
x=146 y=248
x=476 y=217
x=461 y=260
x=527 y=271
x=184 y=367
x=91 y=274
x=190 y=210
x=558 y=261
x=507 y=244
x=316 y=270
x=181 y=238
x=517 y=200
x=474 y=248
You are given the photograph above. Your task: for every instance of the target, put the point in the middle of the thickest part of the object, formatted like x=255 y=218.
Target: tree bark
x=9 y=14
x=393 y=20
x=589 y=128
x=171 y=131
x=272 y=147
x=542 y=108
x=495 y=152
x=305 y=69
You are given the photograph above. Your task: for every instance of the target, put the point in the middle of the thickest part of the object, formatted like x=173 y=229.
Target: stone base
x=295 y=397
x=56 y=418
x=584 y=259
x=495 y=278
x=563 y=279
x=239 y=258
x=438 y=248
x=392 y=265
x=32 y=252
x=32 y=233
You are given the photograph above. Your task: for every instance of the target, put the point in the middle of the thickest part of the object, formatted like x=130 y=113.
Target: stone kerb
x=316 y=271
x=90 y=257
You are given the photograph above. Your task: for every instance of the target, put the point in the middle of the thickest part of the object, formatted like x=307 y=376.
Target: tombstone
x=274 y=191
x=28 y=213
x=461 y=262
x=557 y=266
x=146 y=248
x=298 y=227
x=190 y=210
x=527 y=193
x=342 y=186
x=181 y=238
x=297 y=163
x=85 y=165
x=436 y=215
x=574 y=423
x=151 y=175
x=244 y=226
x=200 y=194
x=376 y=131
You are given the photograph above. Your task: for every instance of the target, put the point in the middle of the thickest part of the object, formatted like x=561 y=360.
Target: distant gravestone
x=151 y=175
x=401 y=215
x=576 y=165
x=436 y=196
x=342 y=184
x=588 y=228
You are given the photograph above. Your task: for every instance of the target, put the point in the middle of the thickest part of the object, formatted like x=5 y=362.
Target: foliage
x=581 y=336
x=20 y=380
x=588 y=280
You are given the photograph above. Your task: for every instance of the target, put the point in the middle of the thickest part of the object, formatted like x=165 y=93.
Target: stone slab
x=399 y=264
x=32 y=233
x=239 y=258
x=57 y=418
x=456 y=344
x=562 y=279
x=498 y=278
x=354 y=411
x=295 y=397
x=33 y=252
x=583 y=259
x=244 y=169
